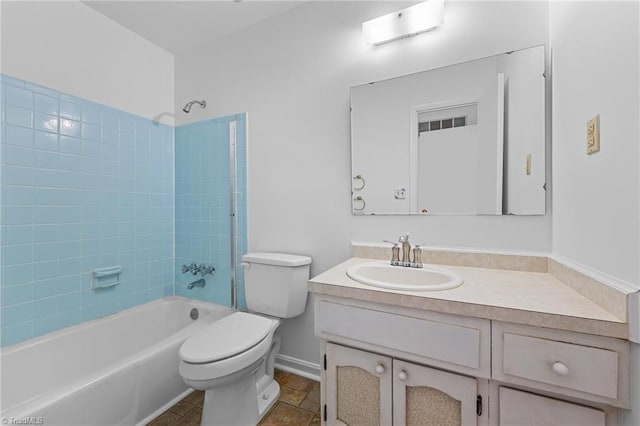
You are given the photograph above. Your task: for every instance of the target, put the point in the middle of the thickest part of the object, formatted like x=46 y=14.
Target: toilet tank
x=276 y=283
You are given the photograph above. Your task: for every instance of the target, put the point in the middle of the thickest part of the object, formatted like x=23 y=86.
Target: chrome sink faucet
x=406 y=249
x=416 y=262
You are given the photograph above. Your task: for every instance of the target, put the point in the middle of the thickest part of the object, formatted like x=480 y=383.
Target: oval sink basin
x=382 y=274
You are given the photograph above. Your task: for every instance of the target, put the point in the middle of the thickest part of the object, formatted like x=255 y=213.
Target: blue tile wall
x=203 y=204
x=84 y=186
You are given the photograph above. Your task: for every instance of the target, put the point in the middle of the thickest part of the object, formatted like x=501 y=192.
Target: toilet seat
x=225 y=347
x=225 y=338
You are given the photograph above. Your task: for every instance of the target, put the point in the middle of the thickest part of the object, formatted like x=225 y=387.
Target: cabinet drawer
x=591 y=370
x=460 y=343
x=588 y=367
x=519 y=408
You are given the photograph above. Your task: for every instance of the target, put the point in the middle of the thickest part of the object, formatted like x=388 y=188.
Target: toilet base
x=243 y=397
x=269 y=396
x=240 y=402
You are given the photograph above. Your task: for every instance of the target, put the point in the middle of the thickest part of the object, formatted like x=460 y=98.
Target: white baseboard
x=297 y=366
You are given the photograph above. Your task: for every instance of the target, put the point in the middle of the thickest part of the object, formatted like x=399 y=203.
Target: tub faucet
x=198 y=283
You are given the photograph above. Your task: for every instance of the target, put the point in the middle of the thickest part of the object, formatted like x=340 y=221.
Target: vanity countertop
x=533 y=298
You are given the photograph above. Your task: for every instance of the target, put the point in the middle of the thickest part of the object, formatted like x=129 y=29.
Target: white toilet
x=233 y=358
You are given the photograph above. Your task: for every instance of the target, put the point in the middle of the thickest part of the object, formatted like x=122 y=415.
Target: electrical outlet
x=400 y=193
x=593 y=135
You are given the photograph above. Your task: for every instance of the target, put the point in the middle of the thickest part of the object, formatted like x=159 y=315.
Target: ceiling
x=179 y=26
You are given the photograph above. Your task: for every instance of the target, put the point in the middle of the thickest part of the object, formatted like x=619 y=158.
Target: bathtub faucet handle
x=204 y=270
x=193 y=268
x=201 y=269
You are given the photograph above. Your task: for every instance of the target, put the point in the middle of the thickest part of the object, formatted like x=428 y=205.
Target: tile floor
x=298 y=405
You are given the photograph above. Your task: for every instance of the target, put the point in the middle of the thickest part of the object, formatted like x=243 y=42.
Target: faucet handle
x=395 y=252
x=417 y=256
x=193 y=268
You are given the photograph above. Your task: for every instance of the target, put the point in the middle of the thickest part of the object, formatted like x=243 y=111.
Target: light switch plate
x=593 y=135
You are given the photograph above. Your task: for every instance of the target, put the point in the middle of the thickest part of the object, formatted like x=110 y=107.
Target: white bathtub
x=118 y=370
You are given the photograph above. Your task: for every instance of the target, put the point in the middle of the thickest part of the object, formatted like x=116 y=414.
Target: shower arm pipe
x=187 y=107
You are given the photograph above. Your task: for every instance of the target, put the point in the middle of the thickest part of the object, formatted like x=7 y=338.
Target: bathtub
x=121 y=369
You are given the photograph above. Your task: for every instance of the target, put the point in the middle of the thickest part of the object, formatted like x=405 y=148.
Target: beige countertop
x=534 y=298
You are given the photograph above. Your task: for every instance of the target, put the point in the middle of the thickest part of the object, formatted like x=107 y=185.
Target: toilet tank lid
x=276 y=259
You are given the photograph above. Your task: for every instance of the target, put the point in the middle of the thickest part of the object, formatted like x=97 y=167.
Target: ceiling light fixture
x=414 y=20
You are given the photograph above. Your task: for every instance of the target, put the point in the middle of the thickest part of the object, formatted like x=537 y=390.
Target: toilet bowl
x=237 y=371
x=233 y=359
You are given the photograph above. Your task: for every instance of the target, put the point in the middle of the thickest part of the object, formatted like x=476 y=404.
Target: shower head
x=187 y=107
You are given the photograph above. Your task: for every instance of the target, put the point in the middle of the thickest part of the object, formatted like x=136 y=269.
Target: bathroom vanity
x=513 y=343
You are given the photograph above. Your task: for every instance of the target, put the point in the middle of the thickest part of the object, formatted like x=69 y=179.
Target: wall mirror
x=466 y=139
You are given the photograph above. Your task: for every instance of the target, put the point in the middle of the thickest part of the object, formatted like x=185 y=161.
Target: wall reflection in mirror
x=466 y=139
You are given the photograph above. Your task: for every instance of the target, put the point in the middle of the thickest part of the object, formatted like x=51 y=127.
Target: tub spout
x=198 y=283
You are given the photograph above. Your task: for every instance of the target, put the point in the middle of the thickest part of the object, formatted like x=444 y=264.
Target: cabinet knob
x=560 y=369
x=402 y=375
x=380 y=368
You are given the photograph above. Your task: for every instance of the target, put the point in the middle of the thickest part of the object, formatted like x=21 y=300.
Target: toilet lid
x=225 y=338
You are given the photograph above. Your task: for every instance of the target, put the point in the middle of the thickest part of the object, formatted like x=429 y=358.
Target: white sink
x=382 y=274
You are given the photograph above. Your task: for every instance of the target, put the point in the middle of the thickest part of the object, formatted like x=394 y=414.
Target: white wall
x=292 y=75
x=596 y=70
x=67 y=46
x=595 y=197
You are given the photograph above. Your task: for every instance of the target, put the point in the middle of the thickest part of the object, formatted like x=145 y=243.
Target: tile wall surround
x=84 y=186
x=606 y=296
x=202 y=206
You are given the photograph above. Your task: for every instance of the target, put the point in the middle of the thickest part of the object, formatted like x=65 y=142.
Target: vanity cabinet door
x=425 y=396
x=358 y=387
x=522 y=408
